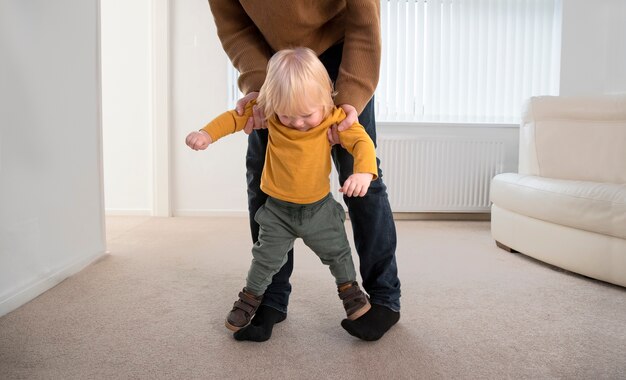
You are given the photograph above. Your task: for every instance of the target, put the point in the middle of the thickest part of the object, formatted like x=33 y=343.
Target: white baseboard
x=482 y=216
x=127 y=212
x=29 y=292
x=213 y=213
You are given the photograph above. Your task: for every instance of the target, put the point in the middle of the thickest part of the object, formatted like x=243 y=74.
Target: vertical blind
x=463 y=61
x=466 y=60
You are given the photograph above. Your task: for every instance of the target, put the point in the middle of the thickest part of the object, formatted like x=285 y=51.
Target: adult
x=346 y=37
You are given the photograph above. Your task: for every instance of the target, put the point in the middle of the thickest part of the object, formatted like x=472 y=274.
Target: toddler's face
x=311 y=118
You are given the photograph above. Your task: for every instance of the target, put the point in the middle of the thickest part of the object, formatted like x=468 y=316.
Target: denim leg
x=277 y=293
x=373 y=226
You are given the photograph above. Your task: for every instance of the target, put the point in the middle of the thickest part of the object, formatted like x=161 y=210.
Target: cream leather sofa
x=567 y=204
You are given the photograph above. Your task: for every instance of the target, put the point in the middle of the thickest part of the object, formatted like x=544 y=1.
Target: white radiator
x=438 y=174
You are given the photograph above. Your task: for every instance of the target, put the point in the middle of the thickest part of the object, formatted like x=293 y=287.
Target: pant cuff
x=392 y=306
x=273 y=305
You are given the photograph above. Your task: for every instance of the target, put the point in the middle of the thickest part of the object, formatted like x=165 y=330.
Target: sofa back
x=576 y=138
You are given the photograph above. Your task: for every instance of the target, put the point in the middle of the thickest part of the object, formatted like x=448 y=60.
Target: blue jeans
x=371 y=217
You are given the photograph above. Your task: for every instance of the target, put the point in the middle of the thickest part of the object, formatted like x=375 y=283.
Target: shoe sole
x=233 y=328
x=360 y=312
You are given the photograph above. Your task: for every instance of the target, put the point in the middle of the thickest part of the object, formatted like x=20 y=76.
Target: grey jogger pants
x=319 y=224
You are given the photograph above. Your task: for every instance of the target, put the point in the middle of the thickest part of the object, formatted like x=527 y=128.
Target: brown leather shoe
x=243 y=310
x=354 y=300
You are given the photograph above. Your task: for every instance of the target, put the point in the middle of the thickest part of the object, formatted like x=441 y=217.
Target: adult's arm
x=242 y=42
x=360 y=62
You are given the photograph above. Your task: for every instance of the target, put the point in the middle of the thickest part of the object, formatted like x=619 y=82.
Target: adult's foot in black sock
x=260 y=328
x=373 y=324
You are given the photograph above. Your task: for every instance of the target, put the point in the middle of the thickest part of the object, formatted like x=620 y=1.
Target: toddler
x=297 y=101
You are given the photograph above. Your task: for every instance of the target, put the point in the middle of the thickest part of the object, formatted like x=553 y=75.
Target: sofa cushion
x=574 y=138
x=591 y=206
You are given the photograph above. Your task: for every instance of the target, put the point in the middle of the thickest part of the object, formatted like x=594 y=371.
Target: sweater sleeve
x=356 y=141
x=228 y=123
x=242 y=42
x=360 y=63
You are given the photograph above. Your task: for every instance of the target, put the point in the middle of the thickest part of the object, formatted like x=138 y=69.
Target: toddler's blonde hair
x=296 y=81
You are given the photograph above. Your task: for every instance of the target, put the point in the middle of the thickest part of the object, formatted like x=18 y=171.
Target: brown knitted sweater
x=251 y=30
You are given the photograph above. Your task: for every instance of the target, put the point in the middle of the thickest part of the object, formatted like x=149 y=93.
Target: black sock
x=260 y=328
x=373 y=324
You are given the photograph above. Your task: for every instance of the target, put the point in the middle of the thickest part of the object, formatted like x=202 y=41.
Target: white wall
x=593 y=61
x=126 y=106
x=593 y=55
x=51 y=221
x=211 y=180
x=616 y=55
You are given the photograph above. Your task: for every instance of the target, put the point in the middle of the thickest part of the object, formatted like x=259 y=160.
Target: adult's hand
x=351 y=117
x=256 y=121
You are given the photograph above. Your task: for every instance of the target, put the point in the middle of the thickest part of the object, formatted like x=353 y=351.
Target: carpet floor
x=154 y=308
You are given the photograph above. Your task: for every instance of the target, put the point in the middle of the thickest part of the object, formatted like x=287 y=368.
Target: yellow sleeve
x=228 y=123
x=361 y=147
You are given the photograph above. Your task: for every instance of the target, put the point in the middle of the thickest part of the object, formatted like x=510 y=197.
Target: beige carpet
x=154 y=308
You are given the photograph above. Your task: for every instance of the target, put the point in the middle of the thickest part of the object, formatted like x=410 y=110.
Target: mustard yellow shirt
x=297 y=164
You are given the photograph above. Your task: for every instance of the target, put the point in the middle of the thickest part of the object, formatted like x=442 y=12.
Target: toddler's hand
x=198 y=140
x=357 y=184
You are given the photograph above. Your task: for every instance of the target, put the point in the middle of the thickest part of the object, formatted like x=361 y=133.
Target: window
x=464 y=61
